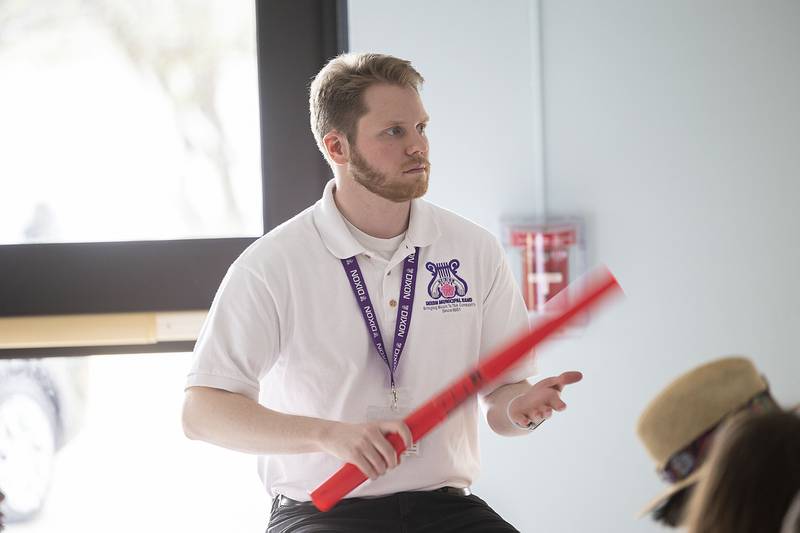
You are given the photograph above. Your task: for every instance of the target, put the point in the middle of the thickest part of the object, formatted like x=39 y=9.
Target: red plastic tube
x=599 y=284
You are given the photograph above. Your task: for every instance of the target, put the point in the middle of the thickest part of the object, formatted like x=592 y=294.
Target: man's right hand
x=365 y=445
x=240 y=423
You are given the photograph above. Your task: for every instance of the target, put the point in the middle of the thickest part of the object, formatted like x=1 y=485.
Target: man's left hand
x=544 y=397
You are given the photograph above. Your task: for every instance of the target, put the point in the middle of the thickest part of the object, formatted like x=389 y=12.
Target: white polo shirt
x=285 y=330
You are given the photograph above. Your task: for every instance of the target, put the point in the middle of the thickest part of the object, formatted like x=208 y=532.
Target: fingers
x=521 y=418
x=385 y=449
x=557 y=403
x=363 y=450
x=542 y=399
x=536 y=416
x=559 y=382
x=543 y=413
x=405 y=432
x=377 y=453
x=373 y=462
x=399 y=427
x=550 y=383
x=545 y=409
x=570 y=377
x=367 y=445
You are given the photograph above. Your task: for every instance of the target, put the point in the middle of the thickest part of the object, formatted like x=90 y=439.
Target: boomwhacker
x=598 y=285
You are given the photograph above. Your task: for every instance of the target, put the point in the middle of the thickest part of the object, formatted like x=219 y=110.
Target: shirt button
x=393 y=302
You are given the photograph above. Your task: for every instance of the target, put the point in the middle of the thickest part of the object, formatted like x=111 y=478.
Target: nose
x=418 y=145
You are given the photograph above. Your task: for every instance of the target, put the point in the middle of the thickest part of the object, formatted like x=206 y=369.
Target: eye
x=422 y=127
x=394 y=131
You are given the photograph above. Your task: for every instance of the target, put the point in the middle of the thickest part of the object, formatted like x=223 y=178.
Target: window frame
x=183 y=275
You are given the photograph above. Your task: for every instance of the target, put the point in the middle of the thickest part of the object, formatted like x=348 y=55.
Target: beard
x=399 y=189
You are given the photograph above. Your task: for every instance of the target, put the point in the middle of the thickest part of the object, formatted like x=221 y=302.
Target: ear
x=337 y=147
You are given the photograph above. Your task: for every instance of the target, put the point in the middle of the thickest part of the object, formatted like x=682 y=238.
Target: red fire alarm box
x=546 y=255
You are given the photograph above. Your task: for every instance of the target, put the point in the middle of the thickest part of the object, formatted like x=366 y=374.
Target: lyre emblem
x=446 y=283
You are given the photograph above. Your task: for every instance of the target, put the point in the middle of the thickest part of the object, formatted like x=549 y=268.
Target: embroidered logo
x=446 y=282
x=447 y=289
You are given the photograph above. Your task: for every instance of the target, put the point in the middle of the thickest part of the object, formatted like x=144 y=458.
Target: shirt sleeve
x=239 y=342
x=504 y=318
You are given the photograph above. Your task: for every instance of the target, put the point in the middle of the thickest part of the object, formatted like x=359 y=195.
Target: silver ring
x=530 y=426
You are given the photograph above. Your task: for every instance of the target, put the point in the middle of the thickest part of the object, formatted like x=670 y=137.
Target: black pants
x=404 y=512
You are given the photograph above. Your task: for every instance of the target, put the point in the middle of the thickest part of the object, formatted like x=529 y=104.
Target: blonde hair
x=336 y=97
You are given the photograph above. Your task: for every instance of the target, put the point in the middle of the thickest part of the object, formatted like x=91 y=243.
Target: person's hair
x=336 y=96
x=672 y=512
x=791 y=522
x=753 y=475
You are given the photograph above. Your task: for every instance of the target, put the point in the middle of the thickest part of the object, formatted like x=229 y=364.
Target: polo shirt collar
x=423 y=227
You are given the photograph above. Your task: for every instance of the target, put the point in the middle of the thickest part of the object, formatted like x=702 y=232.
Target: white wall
x=475 y=58
x=674 y=128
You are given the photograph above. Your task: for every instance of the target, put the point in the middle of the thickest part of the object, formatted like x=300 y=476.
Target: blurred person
x=678 y=426
x=751 y=478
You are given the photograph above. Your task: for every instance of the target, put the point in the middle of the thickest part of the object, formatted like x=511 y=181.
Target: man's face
x=390 y=154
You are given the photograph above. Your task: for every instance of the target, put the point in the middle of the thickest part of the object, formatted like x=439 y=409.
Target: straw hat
x=691 y=406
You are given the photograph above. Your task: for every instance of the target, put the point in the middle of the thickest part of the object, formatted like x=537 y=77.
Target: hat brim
x=656 y=502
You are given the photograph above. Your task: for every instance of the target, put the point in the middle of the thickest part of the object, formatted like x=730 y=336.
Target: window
x=152 y=133
x=85 y=449
x=134 y=177
x=86 y=442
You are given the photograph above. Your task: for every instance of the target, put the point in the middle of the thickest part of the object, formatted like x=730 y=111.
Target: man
x=296 y=361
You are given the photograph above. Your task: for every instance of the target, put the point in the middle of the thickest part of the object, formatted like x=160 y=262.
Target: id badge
x=388 y=412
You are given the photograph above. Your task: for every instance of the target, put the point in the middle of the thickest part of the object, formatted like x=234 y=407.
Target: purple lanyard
x=404 y=309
